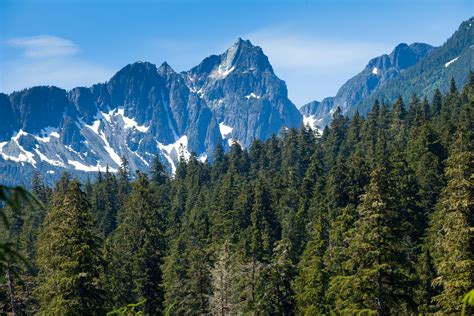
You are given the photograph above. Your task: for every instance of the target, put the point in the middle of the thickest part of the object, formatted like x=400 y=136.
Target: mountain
x=244 y=93
x=375 y=75
x=453 y=59
x=409 y=69
x=143 y=111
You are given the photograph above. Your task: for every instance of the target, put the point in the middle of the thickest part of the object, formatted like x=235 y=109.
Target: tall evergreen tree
x=136 y=251
x=454 y=239
x=377 y=261
x=311 y=283
x=275 y=291
x=224 y=274
x=70 y=257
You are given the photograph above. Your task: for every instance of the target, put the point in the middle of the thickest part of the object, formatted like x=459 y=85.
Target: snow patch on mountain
x=82 y=167
x=375 y=71
x=17 y=152
x=450 y=62
x=252 y=95
x=309 y=120
x=112 y=154
x=174 y=151
x=24 y=156
x=202 y=158
x=52 y=162
x=221 y=72
x=226 y=131
x=47 y=133
x=130 y=122
x=313 y=122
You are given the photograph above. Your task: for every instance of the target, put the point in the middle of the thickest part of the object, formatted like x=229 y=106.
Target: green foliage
x=128 y=310
x=455 y=259
x=468 y=300
x=373 y=217
x=69 y=257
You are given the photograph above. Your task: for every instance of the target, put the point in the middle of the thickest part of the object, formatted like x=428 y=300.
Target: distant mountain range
x=409 y=69
x=144 y=110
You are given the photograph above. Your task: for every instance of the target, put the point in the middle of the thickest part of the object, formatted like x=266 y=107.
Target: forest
x=373 y=217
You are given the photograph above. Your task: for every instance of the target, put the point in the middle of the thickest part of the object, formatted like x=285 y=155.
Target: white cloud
x=289 y=49
x=314 y=67
x=44 y=46
x=48 y=60
x=64 y=73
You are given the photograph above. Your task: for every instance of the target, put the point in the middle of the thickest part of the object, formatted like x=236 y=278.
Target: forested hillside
x=373 y=216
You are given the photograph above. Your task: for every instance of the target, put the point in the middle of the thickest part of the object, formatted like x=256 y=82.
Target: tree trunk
x=11 y=290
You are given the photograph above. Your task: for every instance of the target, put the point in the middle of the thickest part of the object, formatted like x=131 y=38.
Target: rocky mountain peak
x=165 y=70
x=145 y=110
x=404 y=56
x=136 y=70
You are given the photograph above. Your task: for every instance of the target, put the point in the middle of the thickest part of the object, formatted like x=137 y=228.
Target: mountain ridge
x=417 y=68
x=144 y=110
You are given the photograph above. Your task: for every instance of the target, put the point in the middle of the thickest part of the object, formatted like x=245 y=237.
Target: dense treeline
x=374 y=216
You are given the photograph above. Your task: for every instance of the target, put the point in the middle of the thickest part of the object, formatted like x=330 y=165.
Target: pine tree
x=123 y=179
x=311 y=283
x=136 y=251
x=70 y=257
x=426 y=274
x=224 y=274
x=265 y=230
x=377 y=262
x=187 y=277
x=225 y=215
x=219 y=166
x=275 y=291
x=158 y=172
x=454 y=239
x=175 y=275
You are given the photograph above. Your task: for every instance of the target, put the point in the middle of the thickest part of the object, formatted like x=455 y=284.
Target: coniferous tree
x=378 y=262
x=454 y=239
x=158 y=172
x=137 y=250
x=224 y=274
x=311 y=283
x=275 y=291
x=70 y=257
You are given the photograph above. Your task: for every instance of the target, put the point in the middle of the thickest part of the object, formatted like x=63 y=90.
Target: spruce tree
x=136 y=251
x=70 y=257
x=377 y=258
x=224 y=275
x=311 y=282
x=158 y=172
x=275 y=291
x=453 y=234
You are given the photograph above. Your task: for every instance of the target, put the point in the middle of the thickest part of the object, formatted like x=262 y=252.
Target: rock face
x=375 y=75
x=244 y=93
x=143 y=111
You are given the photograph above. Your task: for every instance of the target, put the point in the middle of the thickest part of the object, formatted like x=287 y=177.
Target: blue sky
x=315 y=46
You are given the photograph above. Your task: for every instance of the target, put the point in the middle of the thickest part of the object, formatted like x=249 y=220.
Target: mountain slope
x=378 y=72
x=409 y=69
x=244 y=93
x=143 y=111
x=453 y=59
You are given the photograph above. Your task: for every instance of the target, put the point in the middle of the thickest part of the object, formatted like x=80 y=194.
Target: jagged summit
x=142 y=111
x=165 y=69
x=136 y=69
